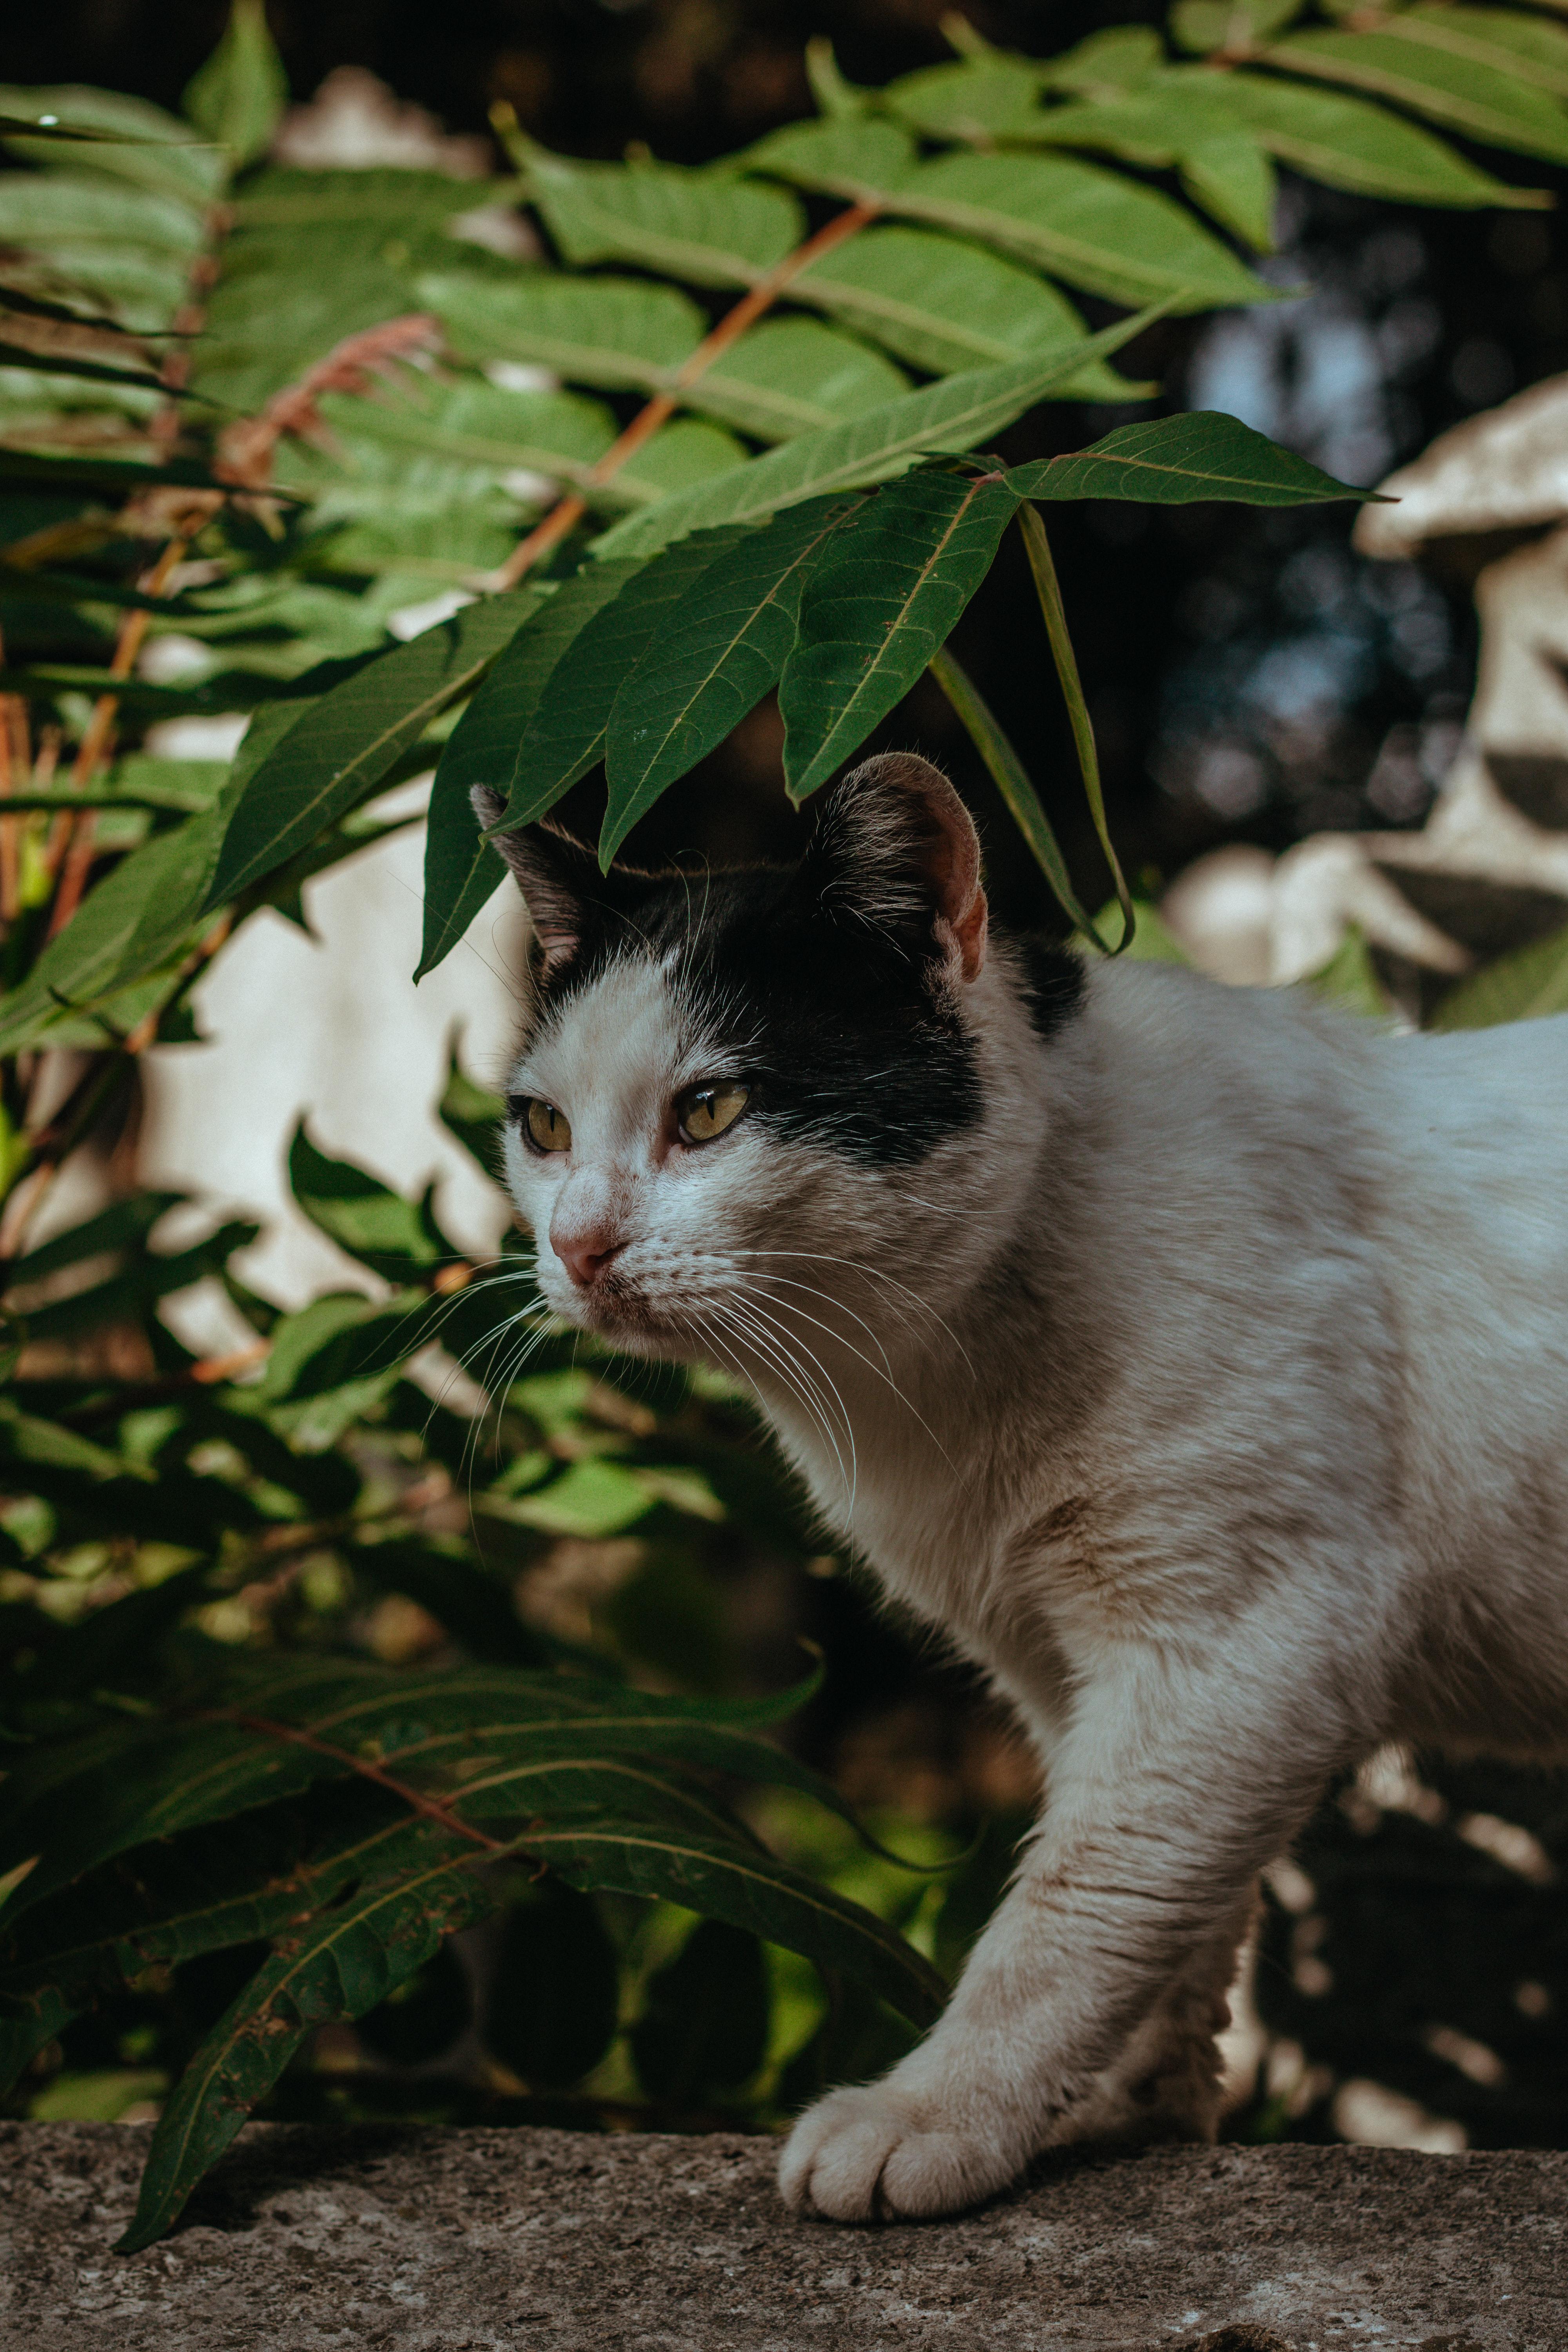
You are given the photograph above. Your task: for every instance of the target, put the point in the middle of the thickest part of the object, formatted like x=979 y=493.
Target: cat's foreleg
x=1176 y=1782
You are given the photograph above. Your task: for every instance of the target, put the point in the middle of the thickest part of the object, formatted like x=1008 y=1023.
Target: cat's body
x=1199 y=1365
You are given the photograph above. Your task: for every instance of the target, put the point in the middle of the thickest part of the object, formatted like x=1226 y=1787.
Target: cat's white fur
x=1211 y=1395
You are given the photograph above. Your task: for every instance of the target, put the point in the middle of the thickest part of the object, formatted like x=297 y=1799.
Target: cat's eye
x=546 y=1127
x=705 y=1111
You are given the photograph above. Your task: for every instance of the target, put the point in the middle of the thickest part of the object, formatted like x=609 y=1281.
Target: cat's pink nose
x=585 y=1255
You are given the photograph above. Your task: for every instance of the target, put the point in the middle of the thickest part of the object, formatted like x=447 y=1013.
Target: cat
x=1195 y=1358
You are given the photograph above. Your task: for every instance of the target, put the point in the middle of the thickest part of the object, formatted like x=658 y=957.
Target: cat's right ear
x=555 y=875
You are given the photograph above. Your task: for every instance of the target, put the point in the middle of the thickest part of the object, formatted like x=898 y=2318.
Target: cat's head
x=740 y=1089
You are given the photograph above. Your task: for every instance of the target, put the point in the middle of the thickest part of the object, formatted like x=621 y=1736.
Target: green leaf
x=472 y=1114
x=1209 y=24
x=565 y=735
x=794 y=375
x=1094 y=228
x=1232 y=178
x=237 y=96
x=339 y=1337
x=343 y=746
x=1097 y=229
x=124 y=1225
x=395 y=1237
x=1352 y=980
x=335 y=1966
x=1457 y=85
x=1528 y=983
x=951 y=415
x=978 y=99
x=1173 y=461
x=751 y=1891
x=886 y=592
x=859 y=157
x=704 y=2026
x=1117 y=58
x=233 y=1883
x=131 y=923
x=120 y=137
x=699 y=225
x=1012 y=781
x=42 y=211
x=619 y=333
x=1347 y=143
x=698 y=679
x=462 y=871
x=945 y=305
x=553 y=1992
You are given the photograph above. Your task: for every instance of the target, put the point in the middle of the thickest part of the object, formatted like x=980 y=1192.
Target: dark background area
x=1249 y=678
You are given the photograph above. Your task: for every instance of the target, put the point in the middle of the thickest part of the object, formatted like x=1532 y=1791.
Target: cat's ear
x=897 y=847
x=556 y=875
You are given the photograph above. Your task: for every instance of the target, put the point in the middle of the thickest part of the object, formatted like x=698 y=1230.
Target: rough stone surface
x=425 y=2240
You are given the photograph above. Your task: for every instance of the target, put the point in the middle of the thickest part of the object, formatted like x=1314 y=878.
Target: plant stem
x=569 y=511
x=1011 y=779
x=133 y=626
x=1050 y=595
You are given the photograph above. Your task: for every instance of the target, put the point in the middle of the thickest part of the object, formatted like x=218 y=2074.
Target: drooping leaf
x=1175 y=460
x=338 y=1966
x=1464 y=87
x=39 y=211
x=886 y=591
x=565 y=735
x=462 y=871
x=945 y=305
x=699 y=678
x=701 y=226
x=1012 y=781
x=952 y=415
x=237 y=96
x=348 y=740
x=750 y=1891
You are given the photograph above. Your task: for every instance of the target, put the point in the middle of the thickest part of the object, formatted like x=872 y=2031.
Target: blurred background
x=1252 y=680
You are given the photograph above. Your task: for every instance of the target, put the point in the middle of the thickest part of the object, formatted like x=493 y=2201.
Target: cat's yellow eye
x=547 y=1130
x=706 y=1111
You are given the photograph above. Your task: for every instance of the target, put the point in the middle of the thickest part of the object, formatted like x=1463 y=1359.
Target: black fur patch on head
x=825 y=984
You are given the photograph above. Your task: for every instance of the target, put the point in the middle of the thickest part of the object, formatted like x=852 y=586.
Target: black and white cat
x=1195 y=1358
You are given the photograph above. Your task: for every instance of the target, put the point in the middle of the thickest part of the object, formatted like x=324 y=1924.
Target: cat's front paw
x=884 y=2155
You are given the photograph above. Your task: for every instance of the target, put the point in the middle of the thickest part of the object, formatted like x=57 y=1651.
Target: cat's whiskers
x=795 y=1380
x=874 y=1274
x=884 y=1375
x=812 y=1376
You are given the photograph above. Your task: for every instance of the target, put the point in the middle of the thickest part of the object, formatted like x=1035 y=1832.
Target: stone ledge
x=426 y=2241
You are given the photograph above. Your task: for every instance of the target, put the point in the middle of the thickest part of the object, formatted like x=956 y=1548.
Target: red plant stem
x=648 y=420
x=80 y=830
x=431 y=1808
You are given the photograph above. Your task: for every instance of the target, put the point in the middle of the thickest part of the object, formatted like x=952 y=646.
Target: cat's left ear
x=901 y=851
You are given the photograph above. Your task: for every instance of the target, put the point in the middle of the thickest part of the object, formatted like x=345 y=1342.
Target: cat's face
x=735 y=1089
